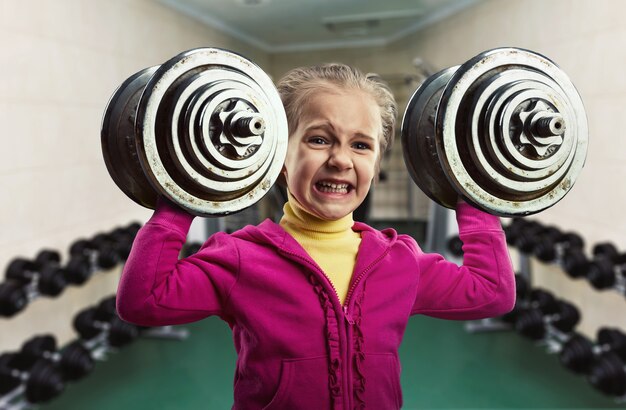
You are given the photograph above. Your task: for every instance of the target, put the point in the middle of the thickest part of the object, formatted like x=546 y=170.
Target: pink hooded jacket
x=297 y=346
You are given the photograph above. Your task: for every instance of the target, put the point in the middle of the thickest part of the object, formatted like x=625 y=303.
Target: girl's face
x=331 y=156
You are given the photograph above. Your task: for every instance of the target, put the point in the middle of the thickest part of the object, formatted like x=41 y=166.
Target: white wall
x=61 y=61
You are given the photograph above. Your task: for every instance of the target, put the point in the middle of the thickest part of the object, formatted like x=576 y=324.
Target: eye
x=362 y=146
x=317 y=140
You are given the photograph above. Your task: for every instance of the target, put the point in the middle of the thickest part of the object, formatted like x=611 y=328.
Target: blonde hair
x=299 y=84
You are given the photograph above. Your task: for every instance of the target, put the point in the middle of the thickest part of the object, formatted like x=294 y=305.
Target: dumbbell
x=74 y=360
x=608 y=374
x=78 y=269
x=579 y=353
x=206 y=130
x=600 y=271
x=533 y=323
x=506 y=131
x=190 y=249
x=44 y=273
x=531 y=234
x=13 y=297
x=522 y=291
x=554 y=244
x=531 y=237
x=94 y=321
x=455 y=246
x=514 y=229
x=42 y=381
x=100 y=253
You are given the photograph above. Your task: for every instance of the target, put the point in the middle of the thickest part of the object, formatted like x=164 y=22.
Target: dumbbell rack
x=553 y=340
x=87 y=256
x=99 y=346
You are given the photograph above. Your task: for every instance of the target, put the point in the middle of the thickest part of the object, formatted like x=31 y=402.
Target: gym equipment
x=74 y=360
x=42 y=381
x=101 y=254
x=506 y=131
x=78 y=269
x=554 y=244
x=600 y=271
x=536 y=323
x=190 y=248
x=579 y=353
x=206 y=129
x=13 y=298
x=522 y=292
x=92 y=322
x=608 y=375
x=455 y=246
x=43 y=273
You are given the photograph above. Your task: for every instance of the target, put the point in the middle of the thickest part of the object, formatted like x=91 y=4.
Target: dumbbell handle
x=12 y=395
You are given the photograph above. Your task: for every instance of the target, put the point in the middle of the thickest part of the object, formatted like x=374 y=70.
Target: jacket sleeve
x=484 y=286
x=156 y=288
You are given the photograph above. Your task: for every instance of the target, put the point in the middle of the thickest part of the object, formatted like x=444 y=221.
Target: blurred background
x=61 y=61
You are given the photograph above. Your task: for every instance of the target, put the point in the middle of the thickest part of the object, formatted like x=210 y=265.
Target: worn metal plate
x=510 y=131
x=118 y=140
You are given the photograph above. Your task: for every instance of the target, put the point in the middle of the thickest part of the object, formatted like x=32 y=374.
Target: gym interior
x=66 y=228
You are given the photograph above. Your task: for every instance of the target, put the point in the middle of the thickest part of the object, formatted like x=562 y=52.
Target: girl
x=318 y=304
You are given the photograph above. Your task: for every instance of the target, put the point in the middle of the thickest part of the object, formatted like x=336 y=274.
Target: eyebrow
x=327 y=126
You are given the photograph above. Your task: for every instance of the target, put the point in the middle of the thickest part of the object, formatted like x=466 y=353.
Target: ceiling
x=299 y=25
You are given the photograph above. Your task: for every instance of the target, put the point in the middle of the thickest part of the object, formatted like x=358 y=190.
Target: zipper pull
x=348 y=316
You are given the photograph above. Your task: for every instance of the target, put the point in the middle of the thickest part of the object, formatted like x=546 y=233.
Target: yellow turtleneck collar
x=297 y=216
x=333 y=245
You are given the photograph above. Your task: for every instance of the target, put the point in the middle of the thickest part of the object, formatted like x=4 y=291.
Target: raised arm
x=156 y=288
x=484 y=286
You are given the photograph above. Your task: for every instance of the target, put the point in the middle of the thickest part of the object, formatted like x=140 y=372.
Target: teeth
x=332 y=187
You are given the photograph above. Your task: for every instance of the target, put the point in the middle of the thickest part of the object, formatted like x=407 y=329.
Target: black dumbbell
x=190 y=249
x=74 y=360
x=608 y=375
x=455 y=246
x=42 y=381
x=44 y=272
x=13 y=298
x=122 y=238
x=554 y=244
x=100 y=253
x=522 y=292
x=512 y=230
x=579 y=353
x=532 y=323
x=78 y=269
x=601 y=271
x=521 y=232
x=92 y=322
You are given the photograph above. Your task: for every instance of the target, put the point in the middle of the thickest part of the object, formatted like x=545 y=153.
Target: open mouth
x=333 y=187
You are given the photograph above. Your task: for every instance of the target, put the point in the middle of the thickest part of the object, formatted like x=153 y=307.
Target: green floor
x=443 y=367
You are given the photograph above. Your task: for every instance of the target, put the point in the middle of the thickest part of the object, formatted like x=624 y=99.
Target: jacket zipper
x=349 y=329
x=347 y=314
x=358 y=279
x=346 y=364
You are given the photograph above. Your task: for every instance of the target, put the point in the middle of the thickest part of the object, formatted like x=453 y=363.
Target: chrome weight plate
x=210 y=132
x=510 y=132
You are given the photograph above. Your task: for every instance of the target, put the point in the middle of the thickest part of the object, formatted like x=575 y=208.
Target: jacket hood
x=374 y=243
x=271 y=233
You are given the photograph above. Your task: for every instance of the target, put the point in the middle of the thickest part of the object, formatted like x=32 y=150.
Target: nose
x=340 y=158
